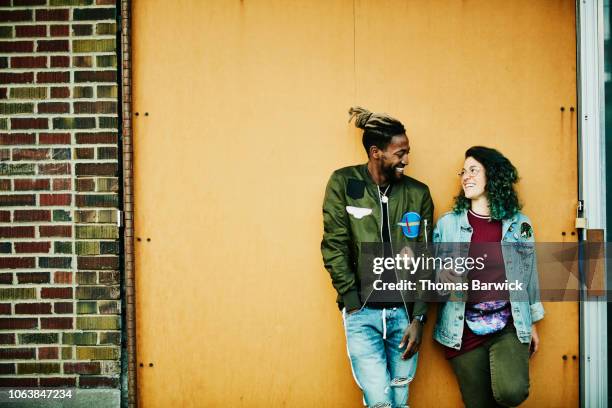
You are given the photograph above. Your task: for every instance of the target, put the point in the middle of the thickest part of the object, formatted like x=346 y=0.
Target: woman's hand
x=535 y=341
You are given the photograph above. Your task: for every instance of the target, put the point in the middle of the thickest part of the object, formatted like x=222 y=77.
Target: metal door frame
x=593 y=339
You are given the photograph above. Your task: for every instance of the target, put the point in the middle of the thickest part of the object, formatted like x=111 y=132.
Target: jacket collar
x=463 y=221
x=506 y=224
x=365 y=174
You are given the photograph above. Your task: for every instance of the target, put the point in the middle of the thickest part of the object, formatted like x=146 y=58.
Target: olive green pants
x=496 y=374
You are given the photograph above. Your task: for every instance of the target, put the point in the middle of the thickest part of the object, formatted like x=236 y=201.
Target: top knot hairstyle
x=378 y=128
x=501 y=177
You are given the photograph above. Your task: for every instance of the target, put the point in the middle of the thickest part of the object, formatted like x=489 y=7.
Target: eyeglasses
x=471 y=172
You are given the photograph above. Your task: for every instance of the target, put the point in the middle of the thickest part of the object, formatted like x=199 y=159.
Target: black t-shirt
x=377 y=299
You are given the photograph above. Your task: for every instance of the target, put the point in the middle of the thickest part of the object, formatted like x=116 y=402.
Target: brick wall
x=59 y=193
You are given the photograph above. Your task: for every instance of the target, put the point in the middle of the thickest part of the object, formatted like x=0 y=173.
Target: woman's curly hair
x=501 y=176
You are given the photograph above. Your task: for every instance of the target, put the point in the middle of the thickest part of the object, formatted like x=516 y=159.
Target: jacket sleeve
x=533 y=289
x=335 y=246
x=425 y=235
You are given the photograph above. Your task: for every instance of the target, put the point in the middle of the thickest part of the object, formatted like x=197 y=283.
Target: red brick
x=8 y=368
x=82 y=368
x=62 y=184
x=16 y=232
x=95 y=76
x=52 y=15
x=98 y=262
x=30 y=154
x=85 y=152
x=98 y=382
x=60 y=92
x=14 y=323
x=3 y=93
x=52 y=77
x=31 y=31
x=106 y=2
x=32 y=215
x=48 y=353
x=55 y=168
x=96 y=169
x=29 y=123
x=53 y=46
x=17 y=353
x=18 y=382
x=17 y=138
x=17 y=263
x=58 y=382
x=60 y=31
x=16 y=77
x=53 y=107
x=7 y=338
x=32 y=247
x=5 y=308
x=54 y=138
x=95 y=138
x=60 y=61
x=56 y=293
x=85 y=184
x=33 y=308
x=15 y=15
x=62 y=307
x=28 y=62
x=55 y=230
x=55 y=199
x=34 y=277
x=6 y=279
x=22 y=3
x=56 y=323
x=16 y=46
x=31 y=184
x=5 y=216
x=17 y=199
x=62 y=277
x=5 y=185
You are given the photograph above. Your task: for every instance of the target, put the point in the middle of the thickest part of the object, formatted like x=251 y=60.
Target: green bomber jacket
x=352 y=213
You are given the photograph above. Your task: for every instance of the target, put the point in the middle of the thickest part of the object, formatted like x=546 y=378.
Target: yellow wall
x=247 y=104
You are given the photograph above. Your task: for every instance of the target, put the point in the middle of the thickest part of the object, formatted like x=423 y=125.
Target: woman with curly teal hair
x=489 y=336
x=501 y=176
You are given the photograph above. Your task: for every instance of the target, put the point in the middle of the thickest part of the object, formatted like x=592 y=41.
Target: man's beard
x=391 y=174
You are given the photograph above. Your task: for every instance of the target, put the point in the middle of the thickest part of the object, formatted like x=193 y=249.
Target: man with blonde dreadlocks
x=376 y=202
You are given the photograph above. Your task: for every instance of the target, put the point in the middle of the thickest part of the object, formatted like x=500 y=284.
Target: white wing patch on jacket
x=358 y=212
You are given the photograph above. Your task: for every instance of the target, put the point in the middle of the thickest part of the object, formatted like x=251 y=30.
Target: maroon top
x=484 y=230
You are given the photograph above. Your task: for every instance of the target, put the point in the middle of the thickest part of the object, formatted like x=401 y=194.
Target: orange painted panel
x=247 y=117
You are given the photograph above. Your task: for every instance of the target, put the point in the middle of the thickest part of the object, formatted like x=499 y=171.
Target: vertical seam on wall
x=128 y=195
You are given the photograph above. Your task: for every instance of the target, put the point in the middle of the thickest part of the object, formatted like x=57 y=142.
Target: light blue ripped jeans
x=373 y=337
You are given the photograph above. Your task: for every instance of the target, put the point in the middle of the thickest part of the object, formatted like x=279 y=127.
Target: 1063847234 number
x=13 y=394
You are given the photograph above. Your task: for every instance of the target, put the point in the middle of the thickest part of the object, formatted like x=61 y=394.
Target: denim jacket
x=520 y=263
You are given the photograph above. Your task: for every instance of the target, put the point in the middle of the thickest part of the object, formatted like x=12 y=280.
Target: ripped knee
x=400 y=381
